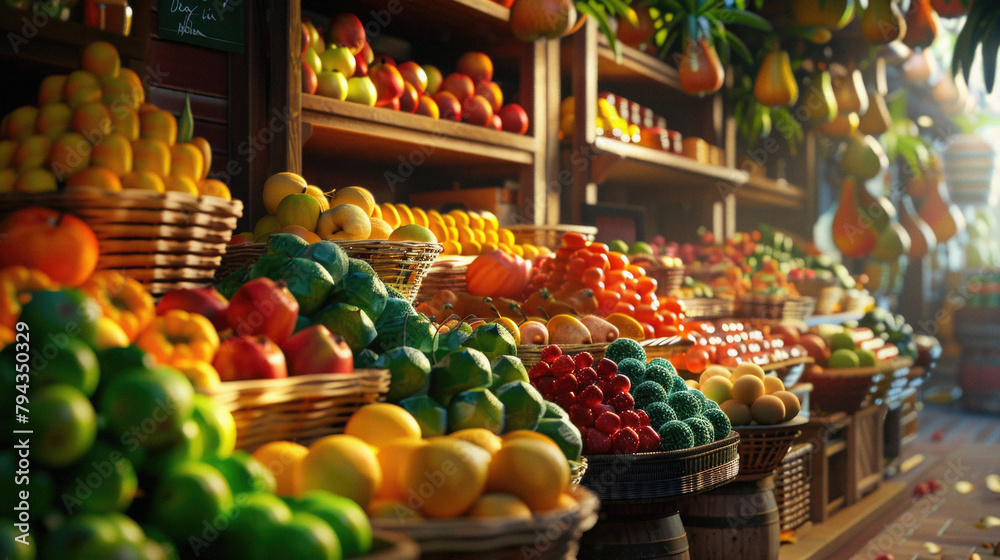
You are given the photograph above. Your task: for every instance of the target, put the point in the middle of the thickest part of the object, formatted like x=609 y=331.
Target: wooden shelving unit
x=332 y=133
x=761 y=190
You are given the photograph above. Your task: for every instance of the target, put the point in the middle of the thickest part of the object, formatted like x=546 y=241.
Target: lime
x=476 y=408
x=429 y=414
x=244 y=473
x=253 y=514
x=83 y=536
x=345 y=517
x=367 y=291
x=103 y=481
x=303 y=537
x=113 y=361
x=218 y=428
x=465 y=368
x=359 y=265
x=866 y=358
x=493 y=340
x=73 y=363
x=841 y=340
x=155 y=463
x=523 y=405
x=286 y=245
x=506 y=369
x=640 y=248
x=40 y=486
x=552 y=410
x=618 y=246
x=843 y=358
x=56 y=316
x=11 y=549
x=190 y=495
x=331 y=256
x=565 y=434
x=148 y=407
x=350 y=322
x=64 y=425
x=409 y=371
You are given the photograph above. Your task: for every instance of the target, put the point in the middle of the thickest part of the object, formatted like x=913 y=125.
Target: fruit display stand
x=851 y=389
x=165 y=241
x=793 y=487
x=548 y=536
x=302 y=409
x=639 y=495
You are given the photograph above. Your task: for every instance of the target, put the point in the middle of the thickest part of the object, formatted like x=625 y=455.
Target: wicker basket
x=763 y=307
x=387 y=545
x=851 y=389
x=668 y=278
x=792 y=486
x=762 y=448
x=663 y=474
x=708 y=308
x=301 y=409
x=548 y=236
x=666 y=346
x=400 y=264
x=447 y=273
x=531 y=354
x=165 y=241
x=553 y=535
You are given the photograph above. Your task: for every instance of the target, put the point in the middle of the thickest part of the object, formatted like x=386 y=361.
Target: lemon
x=379 y=424
x=299 y=209
x=280 y=185
x=282 y=458
x=445 y=477
x=535 y=471
x=342 y=464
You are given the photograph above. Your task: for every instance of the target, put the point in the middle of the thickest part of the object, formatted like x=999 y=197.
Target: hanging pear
x=818 y=104
x=844 y=125
x=922 y=238
x=849 y=90
x=700 y=71
x=775 y=85
x=922 y=24
x=862 y=157
x=930 y=177
x=944 y=218
x=853 y=234
x=893 y=242
x=835 y=14
x=882 y=22
x=879 y=211
x=876 y=120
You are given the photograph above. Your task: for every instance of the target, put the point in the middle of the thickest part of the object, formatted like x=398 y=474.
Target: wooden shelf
x=634 y=64
x=58 y=44
x=341 y=128
x=761 y=190
x=464 y=17
x=639 y=166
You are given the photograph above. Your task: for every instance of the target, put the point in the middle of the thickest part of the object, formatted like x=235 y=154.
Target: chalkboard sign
x=217 y=24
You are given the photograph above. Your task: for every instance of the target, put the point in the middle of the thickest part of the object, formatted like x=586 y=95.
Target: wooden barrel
x=646 y=537
x=738 y=520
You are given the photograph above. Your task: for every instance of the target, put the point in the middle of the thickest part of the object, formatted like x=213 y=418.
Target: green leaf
x=741 y=17
x=737 y=45
x=598 y=15
x=185 y=126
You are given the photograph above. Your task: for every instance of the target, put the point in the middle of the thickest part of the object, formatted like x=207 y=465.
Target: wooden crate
x=792 y=483
x=847 y=459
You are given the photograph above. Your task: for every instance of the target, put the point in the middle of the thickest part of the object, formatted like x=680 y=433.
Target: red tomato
x=628 y=296
x=645 y=285
x=666 y=330
x=574 y=240
x=697 y=359
x=649 y=330
x=600 y=260
x=645 y=313
x=617 y=260
x=622 y=307
x=596 y=247
x=636 y=270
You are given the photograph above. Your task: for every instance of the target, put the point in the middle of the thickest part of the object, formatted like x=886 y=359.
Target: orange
x=7 y=150
x=36 y=181
x=91 y=118
x=81 y=87
x=506 y=236
x=461 y=217
x=534 y=471
x=471 y=248
x=420 y=217
x=143 y=180
x=380 y=229
x=445 y=477
x=389 y=214
x=476 y=221
x=158 y=125
x=358 y=196
x=70 y=153
x=391 y=459
x=51 y=88
x=125 y=121
x=135 y=85
x=152 y=156
x=301 y=232
x=342 y=464
x=377 y=212
x=452 y=247
x=101 y=58
x=206 y=154
x=53 y=119
x=214 y=187
x=378 y=424
x=405 y=215
x=172 y=183
x=490 y=220
x=19 y=123
x=481 y=437
x=8 y=180
x=282 y=458
x=506 y=506
x=187 y=160
x=115 y=153
x=33 y=152
x=528 y=434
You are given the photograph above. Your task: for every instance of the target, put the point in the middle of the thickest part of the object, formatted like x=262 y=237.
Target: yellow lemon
x=445 y=477
x=405 y=216
x=358 y=196
x=413 y=232
x=389 y=214
x=481 y=437
x=282 y=458
x=378 y=424
x=535 y=471
x=380 y=229
x=461 y=217
x=391 y=458
x=420 y=217
x=506 y=506
x=300 y=209
x=490 y=219
x=342 y=464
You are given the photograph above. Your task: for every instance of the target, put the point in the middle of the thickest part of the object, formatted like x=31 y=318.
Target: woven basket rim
x=861 y=372
x=399 y=546
x=294 y=381
x=658 y=456
x=122 y=197
x=756 y=429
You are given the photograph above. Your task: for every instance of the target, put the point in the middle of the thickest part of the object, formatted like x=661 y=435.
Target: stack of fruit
x=93 y=128
x=622 y=404
x=343 y=66
x=731 y=342
x=747 y=396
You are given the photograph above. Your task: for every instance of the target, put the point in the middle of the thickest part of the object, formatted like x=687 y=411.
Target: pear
x=922 y=24
x=882 y=22
x=600 y=330
x=567 y=329
x=775 y=85
x=893 y=242
x=818 y=104
x=533 y=332
x=922 y=238
x=876 y=119
x=849 y=90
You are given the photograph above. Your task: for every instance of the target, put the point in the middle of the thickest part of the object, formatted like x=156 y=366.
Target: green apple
x=339 y=58
x=434 y=79
x=311 y=58
x=361 y=89
x=331 y=83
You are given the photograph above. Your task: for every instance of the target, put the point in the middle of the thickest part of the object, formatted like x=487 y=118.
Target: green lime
x=83 y=536
x=565 y=434
x=409 y=371
x=365 y=359
x=190 y=495
x=415 y=331
x=253 y=514
x=866 y=358
x=304 y=537
x=244 y=473
x=506 y=369
x=73 y=363
x=493 y=340
x=367 y=291
x=618 y=246
x=843 y=358
x=10 y=547
x=347 y=519
x=640 y=248
x=445 y=342
x=307 y=280
x=218 y=428
x=231 y=283
x=54 y=317
x=148 y=407
x=350 y=322
x=429 y=414
x=103 y=481
x=64 y=425
x=841 y=340
x=476 y=408
x=523 y=405
x=465 y=368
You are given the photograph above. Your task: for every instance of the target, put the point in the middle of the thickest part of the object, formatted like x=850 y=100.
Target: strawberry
x=608 y=422
x=625 y=441
x=649 y=440
x=566 y=383
x=581 y=415
x=591 y=396
x=620 y=384
x=622 y=402
x=538 y=370
x=597 y=442
x=563 y=365
x=565 y=400
x=583 y=360
x=606 y=369
x=585 y=377
x=546 y=385
x=643 y=418
x=630 y=419
x=550 y=353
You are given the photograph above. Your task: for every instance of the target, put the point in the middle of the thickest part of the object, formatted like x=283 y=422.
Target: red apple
x=316 y=350
x=239 y=239
x=434 y=79
x=360 y=66
x=309 y=81
x=410 y=99
x=448 y=105
x=477 y=110
x=459 y=85
x=789 y=334
x=496 y=122
x=367 y=53
x=392 y=104
x=428 y=107
x=413 y=74
x=203 y=301
x=634 y=36
x=816 y=347
x=346 y=29
x=477 y=66
x=305 y=38
x=514 y=118
x=263 y=307
x=249 y=357
x=386 y=59
x=492 y=92
x=388 y=82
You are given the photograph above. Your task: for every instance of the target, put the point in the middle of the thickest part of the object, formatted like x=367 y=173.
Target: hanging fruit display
x=882 y=22
x=922 y=238
x=876 y=120
x=819 y=104
x=951 y=8
x=834 y=14
x=775 y=85
x=534 y=19
x=700 y=71
x=922 y=24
